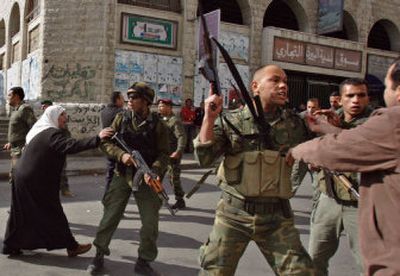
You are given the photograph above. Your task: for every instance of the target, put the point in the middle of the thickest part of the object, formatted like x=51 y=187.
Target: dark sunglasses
x=133 y=96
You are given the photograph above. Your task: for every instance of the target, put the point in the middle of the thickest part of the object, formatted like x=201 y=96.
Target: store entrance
x=304 y=86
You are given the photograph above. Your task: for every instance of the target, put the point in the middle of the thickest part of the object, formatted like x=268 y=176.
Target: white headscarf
x=47 y=120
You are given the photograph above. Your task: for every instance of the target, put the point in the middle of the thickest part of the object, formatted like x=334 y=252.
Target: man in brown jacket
x=373 y=149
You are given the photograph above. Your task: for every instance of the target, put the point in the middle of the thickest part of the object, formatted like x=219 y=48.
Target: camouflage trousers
x=275 y=235
x=328 y=220
x=174 y=173
x=114 y=201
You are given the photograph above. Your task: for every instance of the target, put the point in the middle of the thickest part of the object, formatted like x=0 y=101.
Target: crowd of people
x=347 y=144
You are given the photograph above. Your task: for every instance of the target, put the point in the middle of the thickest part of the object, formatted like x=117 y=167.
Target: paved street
x=179 y=240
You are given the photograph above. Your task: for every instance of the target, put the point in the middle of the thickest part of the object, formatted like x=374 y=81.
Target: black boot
x=11 y=251
x=97 y=264
x=143 y=267
x=179 y=204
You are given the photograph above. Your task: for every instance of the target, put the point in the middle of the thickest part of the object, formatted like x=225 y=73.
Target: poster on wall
x=330 y=16
x=162 y=73
x=14 y=75
x=31 y=76
x=202 y=86
x=236 y=44
x=149 y=31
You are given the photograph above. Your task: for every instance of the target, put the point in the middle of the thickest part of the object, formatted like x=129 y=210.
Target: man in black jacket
x=107 y=116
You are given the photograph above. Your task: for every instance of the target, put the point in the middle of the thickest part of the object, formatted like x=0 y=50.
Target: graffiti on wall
x=83 y=119
x=236 y=44
x=72 y=82
x=202 y=87
x=31 y=76
x=14 y=75
x=162 y=73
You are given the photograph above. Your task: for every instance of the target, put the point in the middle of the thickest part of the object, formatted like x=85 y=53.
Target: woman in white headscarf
x=37 y=219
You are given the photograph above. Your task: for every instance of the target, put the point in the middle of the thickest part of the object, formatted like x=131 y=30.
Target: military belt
x=259 y=206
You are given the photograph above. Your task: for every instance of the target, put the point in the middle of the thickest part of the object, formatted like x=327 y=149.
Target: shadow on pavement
x=168 y=269
x=132 y=234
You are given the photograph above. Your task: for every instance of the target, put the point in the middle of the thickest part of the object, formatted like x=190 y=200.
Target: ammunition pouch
x=257 y=174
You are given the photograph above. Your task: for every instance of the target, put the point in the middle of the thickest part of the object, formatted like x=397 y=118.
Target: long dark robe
x=37 y=219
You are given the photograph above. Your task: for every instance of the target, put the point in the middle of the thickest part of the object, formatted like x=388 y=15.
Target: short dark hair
x=114 y=97
x=313 y=100
x=19 y=91
x=352 y=81
x=334 y=94
x=395 y=74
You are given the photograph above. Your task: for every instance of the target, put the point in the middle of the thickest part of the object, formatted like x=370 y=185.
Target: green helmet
x=143 y=90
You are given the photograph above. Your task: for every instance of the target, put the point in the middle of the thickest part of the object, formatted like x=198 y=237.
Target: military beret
x=143 y=90
x=165 y=101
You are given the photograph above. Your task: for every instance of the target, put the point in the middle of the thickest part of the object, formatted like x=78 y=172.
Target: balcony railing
x=169 y=5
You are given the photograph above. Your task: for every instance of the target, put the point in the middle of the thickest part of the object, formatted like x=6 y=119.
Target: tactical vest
x=257 y=174
x=142 y=140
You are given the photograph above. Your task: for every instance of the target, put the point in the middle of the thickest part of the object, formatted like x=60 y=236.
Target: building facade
x=77 y=52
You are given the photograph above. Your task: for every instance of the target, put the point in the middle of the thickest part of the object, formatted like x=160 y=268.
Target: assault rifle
x=141 y=169
x=343 y=180
x=209 y=71
x=199 y=183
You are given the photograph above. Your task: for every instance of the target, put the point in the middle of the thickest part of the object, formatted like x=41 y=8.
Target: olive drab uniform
x=335 y=210
x=177 y=139
x=255 y=182
x=150 y=138
x=21 y=121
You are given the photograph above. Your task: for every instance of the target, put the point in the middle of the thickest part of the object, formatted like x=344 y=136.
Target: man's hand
x=320 y=124
x=7 y=146
x=212 y=106
x=176 y=155
x=106 y=133
x=127 y=160
x=147 y=178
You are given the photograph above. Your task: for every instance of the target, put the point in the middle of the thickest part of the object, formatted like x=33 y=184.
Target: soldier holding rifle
x=335 y=210
x=143 y=131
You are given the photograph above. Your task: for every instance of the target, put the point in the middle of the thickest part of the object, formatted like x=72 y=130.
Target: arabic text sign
x=293 y=51
x=288 y=50
x=348 y=60
x=148 y=31
x=318 y=55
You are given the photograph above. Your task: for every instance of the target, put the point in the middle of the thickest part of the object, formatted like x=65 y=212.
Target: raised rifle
x=208 y=70
x=199 y=183
x=141 y=169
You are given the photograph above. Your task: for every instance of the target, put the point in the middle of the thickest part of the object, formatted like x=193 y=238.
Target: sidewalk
x=86 y=165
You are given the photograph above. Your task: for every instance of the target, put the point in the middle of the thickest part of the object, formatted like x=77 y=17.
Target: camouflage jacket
x=287 y=130
x=177 y=135
x=21 y=121
x=162 y=146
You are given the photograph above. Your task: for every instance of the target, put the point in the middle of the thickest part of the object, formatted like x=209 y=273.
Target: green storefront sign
x=148 y=31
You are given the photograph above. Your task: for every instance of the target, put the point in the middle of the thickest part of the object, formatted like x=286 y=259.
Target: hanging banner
x=330 y=16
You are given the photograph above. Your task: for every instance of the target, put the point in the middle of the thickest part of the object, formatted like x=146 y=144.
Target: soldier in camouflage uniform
x=21 y=120
x=177 y=137
x=255 y=180
x=142 y=130
x=335 y=210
